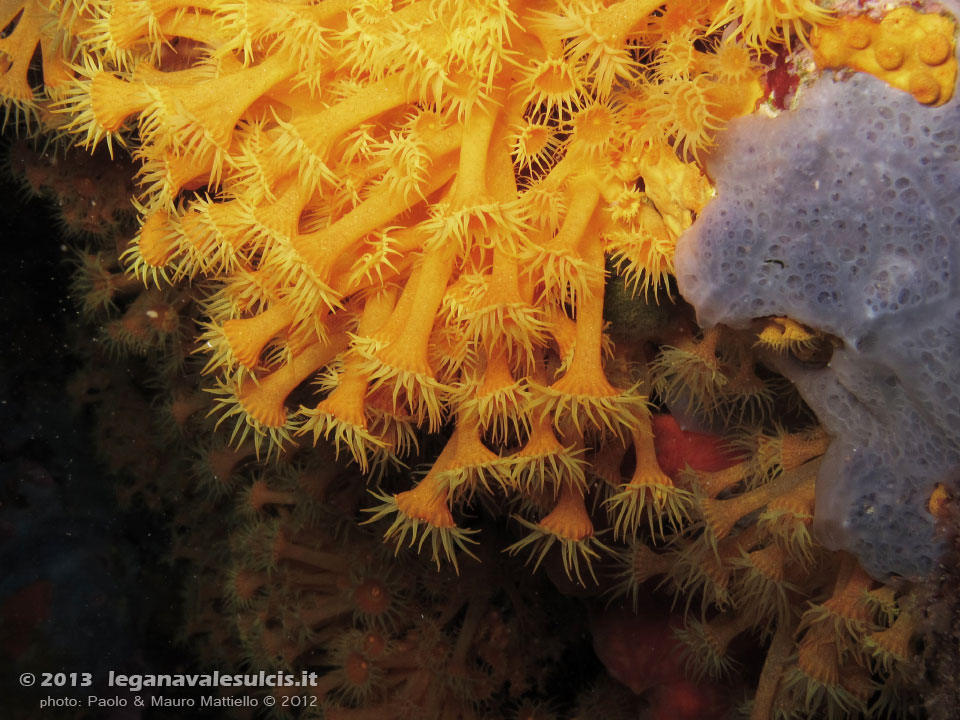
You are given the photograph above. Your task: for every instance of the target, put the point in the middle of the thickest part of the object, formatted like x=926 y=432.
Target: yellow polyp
x=341 y=419
x=323 y=248
x=471 y=463
x=551 y=83
x=281 y=218
x=707 y=643
x=761 y=587
x=543 y=459
x=319 y=130
x=533 y=144
x=594 y=128
x=584 y=378
x=781 y=334
x=649 y=493
x=129 y=21
x=261 y=495
x=427 y=502
x=245 y=584
x=685 y=110
x=346 y=401
x=720 y=516
x=643 y=249
x=691 y=372
x=818 y=657
x=676 y=56
x=113 y=100
x=399 y=310
x=497 y=374
x=698 y=567
x=303 y=27
x=569 y=519
x=188 y=118
x=846 y=607
x=56 y=67
x=822 y=677
x=773 y=21
x=893 y=645
x=481 y=209
x=16 y=51
x=732 y=63
x=264 y=400
x=798 y=501
x=788 y=451
x=769 y=561
x=248 y=336
x=505 y=314
x=183 y=405
x=397 y=356
x=406 y=347
x=213 y=234
x=583 y=396
x=557 y=260
x=499 y=402
x=165 y=176
x=156 y=243
x=746 y=397
x=601 y=50
x=909 y=50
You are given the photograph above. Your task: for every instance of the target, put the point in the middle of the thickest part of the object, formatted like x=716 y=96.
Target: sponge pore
x=844 y=214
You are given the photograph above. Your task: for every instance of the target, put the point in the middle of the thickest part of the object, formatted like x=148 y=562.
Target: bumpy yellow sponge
x=909 y=50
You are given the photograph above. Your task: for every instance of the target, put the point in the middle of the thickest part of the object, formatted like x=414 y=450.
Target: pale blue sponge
x=844 y=214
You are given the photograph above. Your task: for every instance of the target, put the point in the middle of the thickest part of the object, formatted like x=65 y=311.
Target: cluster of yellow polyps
x=413 y=202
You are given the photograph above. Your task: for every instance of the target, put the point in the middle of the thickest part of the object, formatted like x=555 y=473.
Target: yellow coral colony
x=412 y=202
x=399 y=217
